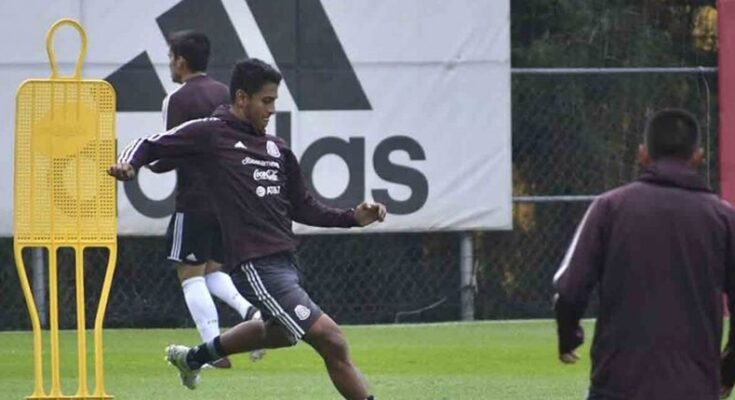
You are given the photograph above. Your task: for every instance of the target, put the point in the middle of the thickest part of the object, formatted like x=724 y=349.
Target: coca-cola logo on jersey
x=265 y=175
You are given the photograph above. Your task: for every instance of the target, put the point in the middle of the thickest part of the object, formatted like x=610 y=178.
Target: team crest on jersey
x=272 y=149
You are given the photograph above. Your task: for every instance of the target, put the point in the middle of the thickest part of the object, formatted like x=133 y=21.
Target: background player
x=193 y=237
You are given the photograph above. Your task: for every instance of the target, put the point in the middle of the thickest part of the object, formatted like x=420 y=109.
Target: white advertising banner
x=405 y=102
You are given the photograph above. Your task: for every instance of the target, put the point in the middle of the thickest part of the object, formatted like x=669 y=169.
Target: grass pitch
x=483 y=360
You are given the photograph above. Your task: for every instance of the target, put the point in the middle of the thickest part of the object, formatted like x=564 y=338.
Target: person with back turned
x=661 y=251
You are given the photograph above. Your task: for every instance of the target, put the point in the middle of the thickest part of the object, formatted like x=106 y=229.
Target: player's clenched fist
x=367 y=213
x=122 y=171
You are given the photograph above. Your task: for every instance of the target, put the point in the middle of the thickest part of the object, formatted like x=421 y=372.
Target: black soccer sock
x=370 y=397
x=205 y=353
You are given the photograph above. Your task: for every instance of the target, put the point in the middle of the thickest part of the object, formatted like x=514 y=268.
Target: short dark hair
x=251 y=75
x=672 y=133
x=193 y=46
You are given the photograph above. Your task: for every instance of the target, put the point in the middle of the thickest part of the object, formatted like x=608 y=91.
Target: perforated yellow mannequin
x=64 y=141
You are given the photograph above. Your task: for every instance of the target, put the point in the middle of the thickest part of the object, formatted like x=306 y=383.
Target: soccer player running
x=258 y=192
x=194 y=239
x=661 y=251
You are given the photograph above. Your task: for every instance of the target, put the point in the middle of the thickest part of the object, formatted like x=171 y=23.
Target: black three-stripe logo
x=299 y=34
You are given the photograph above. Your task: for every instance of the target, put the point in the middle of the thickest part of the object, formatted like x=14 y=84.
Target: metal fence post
x=38 y=265
x=467 y=289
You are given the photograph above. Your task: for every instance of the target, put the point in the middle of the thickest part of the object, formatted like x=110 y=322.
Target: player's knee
x=185 y=271
x=327 y=339
x=212 y=267
x=334 y=344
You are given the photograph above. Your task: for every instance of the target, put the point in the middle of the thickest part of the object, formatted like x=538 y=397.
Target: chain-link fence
x=575 y=133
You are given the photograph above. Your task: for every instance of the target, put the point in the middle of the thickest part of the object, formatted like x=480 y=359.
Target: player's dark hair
x=193 y=46
x=251 y=75
x=672 y=133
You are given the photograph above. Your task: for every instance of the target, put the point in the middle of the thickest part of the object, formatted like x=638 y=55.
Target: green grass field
x=484 y=360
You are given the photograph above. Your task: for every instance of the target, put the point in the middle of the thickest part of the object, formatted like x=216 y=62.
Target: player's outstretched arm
x=122 y=171
x=186 y=140
x=306 y=209
x=367 y=213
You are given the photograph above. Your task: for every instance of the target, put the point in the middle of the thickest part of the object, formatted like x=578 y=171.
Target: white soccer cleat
x=176 y=356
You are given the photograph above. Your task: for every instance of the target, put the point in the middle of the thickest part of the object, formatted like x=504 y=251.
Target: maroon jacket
x=661 y=251
x=255 y=181
x=197 y=98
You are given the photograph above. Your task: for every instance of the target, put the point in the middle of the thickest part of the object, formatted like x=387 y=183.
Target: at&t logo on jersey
x=263 y=191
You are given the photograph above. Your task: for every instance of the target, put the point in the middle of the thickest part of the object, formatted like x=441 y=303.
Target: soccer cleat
x=176 y=356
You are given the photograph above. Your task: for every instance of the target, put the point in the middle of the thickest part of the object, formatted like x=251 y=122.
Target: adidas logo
x=139 y=88
x=191 y=257
x=240 y=145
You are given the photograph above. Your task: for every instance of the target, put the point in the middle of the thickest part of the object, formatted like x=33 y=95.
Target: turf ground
x=484 y=360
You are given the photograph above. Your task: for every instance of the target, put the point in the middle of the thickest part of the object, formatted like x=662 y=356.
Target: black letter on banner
x=309 y=54
x=410 y=177
x=146 y=206
x=137 y=85
x=283 y=126
x=353 y=153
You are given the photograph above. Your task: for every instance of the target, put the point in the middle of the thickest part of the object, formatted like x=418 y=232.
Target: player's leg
x=250 y=335
x=201 y=306
x=327 y=339
x=246 y=336
x=273 y=284
x=270 y=331
x=220 y=285
x=198 y=300
x=185 y=249
x=277 y=283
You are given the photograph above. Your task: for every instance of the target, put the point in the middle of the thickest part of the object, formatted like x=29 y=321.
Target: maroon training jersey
x=197 y=98
x=255 y=180
x=661 y=251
